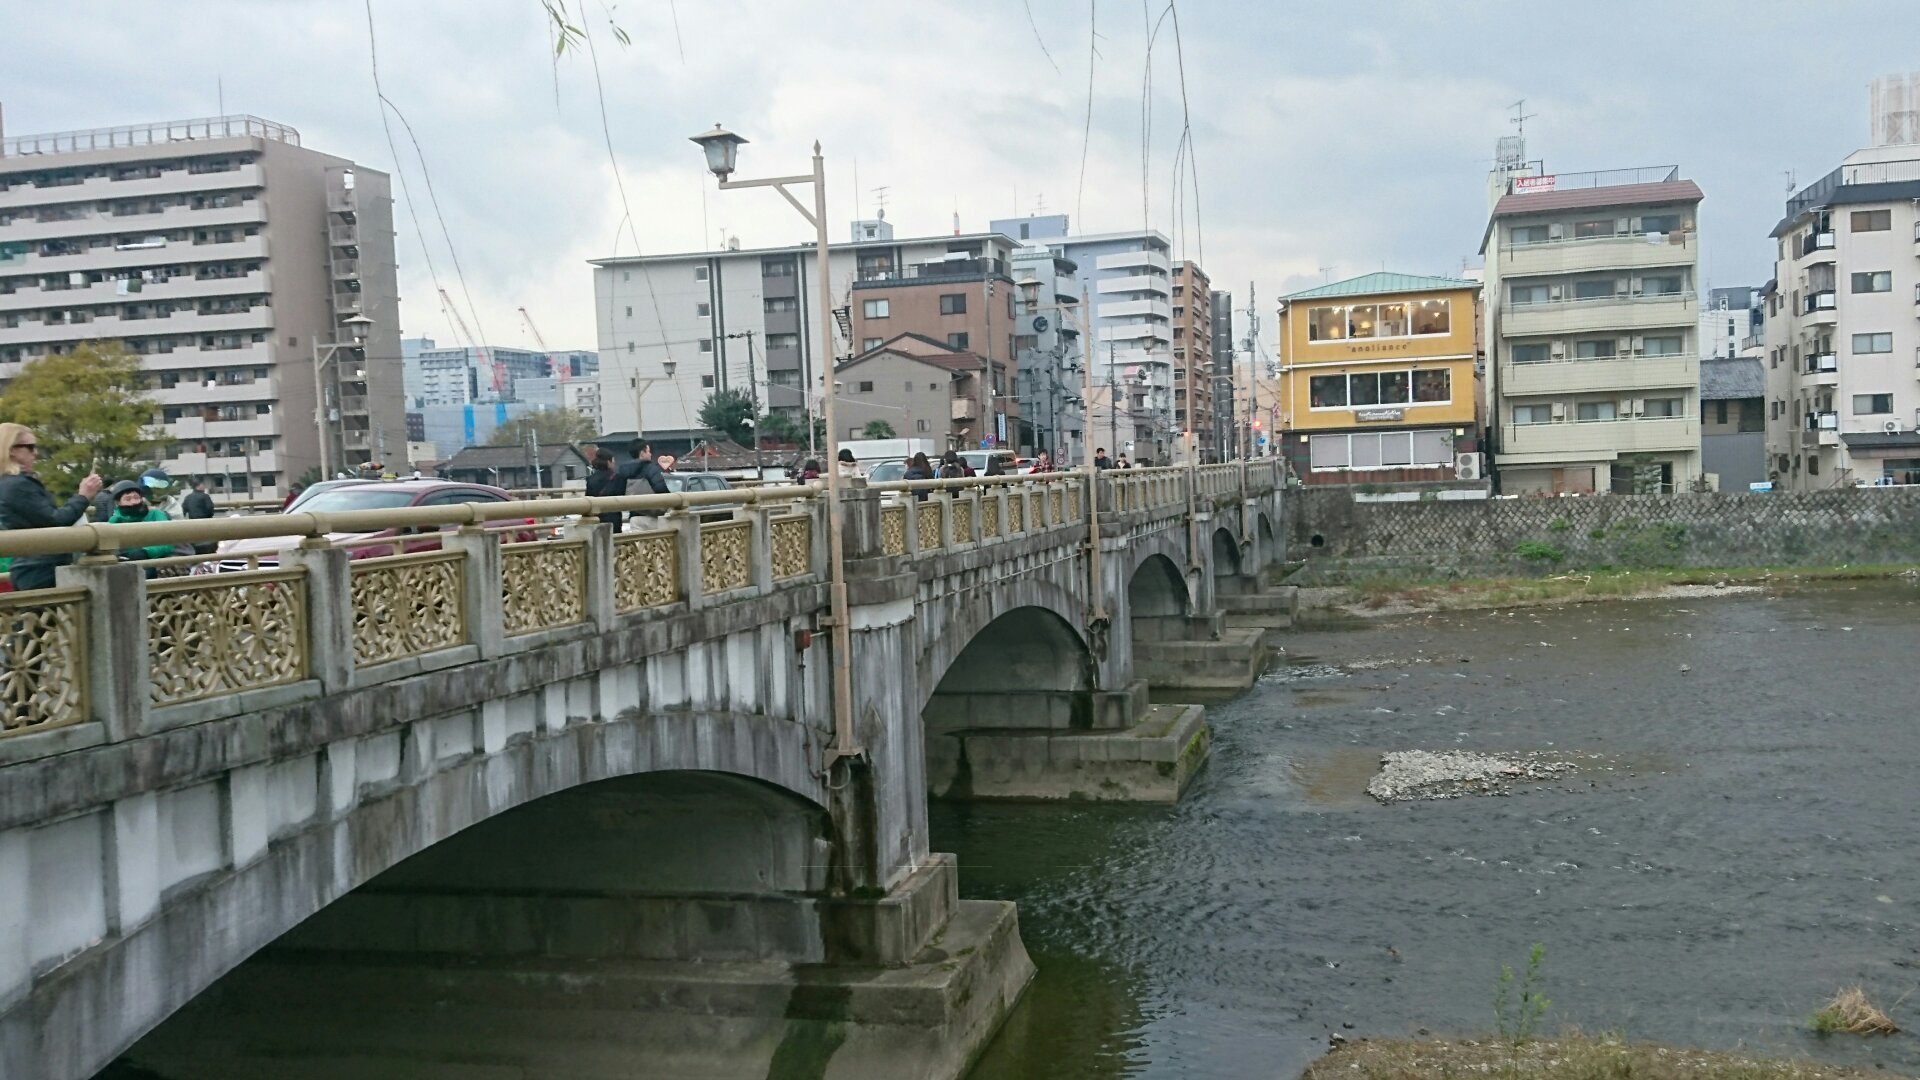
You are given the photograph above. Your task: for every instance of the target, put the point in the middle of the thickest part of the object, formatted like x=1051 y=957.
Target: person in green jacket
x=129 y=501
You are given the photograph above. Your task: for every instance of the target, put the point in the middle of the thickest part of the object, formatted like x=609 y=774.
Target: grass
x=1851 y=1013
x=1596 y=585
x=1570 y=1057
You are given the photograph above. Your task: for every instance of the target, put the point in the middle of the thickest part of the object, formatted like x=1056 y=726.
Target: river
x=1739 y=843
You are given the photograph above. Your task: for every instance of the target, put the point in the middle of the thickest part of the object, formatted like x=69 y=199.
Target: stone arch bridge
x=518 y=782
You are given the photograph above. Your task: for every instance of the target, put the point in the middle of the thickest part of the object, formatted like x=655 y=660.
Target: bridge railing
x=923 y=517
x=111 y=653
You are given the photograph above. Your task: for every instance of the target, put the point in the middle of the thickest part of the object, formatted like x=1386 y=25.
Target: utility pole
x=1253 y=373
x=753 y=396
x=1113 y=404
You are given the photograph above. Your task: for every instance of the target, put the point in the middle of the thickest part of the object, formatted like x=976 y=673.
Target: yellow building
x=1378 y=380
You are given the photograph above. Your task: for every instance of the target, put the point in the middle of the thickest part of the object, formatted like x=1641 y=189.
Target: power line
x=433 y=200
x=1086 y=132
x=1028 y=4
x=1186 y=134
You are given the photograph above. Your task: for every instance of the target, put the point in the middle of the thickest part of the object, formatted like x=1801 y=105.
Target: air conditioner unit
x=1469 y=466
x=1891 y=427
x=1559 y=411
x=1627 y=406
x=1559 y=350
x=1622 y=226
x=1554 y=292
x=1556 y=232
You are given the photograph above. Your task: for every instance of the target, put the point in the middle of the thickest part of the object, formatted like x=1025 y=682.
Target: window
x=1363 y=389
x=1720 y=412
x=699 y=273
x=774 y=305
x=1660 y=223
x=957 y=340
x=1527 y=294
x=1661 y=346
x=1327 y=391
x=1660 y=286
x=1588 y=290
x=776 y=268
x=864 y=386
x=1594 y=410
x=1433 y=317
x=1873 y=281
x=1393 y=321
x=907 y=386
x=703 y=311
x=867 y=344
x=1872 y=404
x=1362 y=320
x=1528 y=234
x=1383 y=450
x=1872 y=220
x=919 y=425
x=1531 y=353
x=1666 y=406
x=1328 y=452
x=1584 y=229
x=953 y=303
x=629 y=311
x=782 y=341
x=1595 y=350
x=706 y=382
x=1432 y=385
x=1326 y=324
x=876 y=309
x=1867 y=344
x=706 y=345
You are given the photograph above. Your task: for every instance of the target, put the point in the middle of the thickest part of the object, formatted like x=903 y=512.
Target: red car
x=387 y=495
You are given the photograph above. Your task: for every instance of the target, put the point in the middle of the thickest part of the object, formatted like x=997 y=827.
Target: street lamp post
x=722 y=148
x=640 y=385
x=324 y=355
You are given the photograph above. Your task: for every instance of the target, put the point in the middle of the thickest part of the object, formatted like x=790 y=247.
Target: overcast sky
x=1350 y=136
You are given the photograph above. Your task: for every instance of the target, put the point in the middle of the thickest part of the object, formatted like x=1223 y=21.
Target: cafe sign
x=1366 y=416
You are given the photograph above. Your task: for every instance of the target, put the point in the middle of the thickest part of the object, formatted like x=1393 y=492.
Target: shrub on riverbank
x=1850 y=1012
x=1573 y=1057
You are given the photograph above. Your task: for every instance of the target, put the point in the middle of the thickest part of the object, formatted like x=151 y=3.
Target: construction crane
x=560 y=371
x=499 y=370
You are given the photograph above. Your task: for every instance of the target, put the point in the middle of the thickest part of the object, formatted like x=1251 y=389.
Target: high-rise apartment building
x=1225 y=441
x=1127 y=279
x=468 y=375
x=1049 y=346
x=1193 y=358
x=1593 y=328
x=249 y=273
x=1843 y=326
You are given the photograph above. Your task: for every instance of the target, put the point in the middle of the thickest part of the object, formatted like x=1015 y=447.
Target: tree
x=729 y=412
x=877 y=429
x=792 y=430
x=553 y=426
x=91 y=414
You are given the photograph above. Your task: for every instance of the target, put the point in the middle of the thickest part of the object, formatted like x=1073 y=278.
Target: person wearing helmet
x=129 y=501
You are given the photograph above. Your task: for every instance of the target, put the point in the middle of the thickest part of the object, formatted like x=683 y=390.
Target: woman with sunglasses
x=25 y=504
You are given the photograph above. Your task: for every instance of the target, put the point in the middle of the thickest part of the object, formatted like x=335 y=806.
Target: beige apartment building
x=1193 y=358
x=1592 y=329
x=229 y=257
x=1842 y=327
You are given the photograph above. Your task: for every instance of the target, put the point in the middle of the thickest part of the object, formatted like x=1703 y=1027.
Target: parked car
x=318 y=487
x=696 y=481
x=885 y=472
x=977 y=460
x=372 y=495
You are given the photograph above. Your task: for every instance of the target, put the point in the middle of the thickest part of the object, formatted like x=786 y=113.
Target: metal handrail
x=81 y=539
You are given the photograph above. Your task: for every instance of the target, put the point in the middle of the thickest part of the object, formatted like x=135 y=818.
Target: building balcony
x=259 y=354
x=185 y=287
x=1127 y=260
x=215 y=393
x=135 y=257
x=1824 y=368
x=927 y=272
x=1599 y=253
x=1617 y=313
x=1127 y=309
x=1138 y=333
x=1139 y=283
x=964 y=408
x=1607 y=439
x=194 y=463
x=106 y=189
x=195 y=427
x=1818 y=247
x=1599 y=376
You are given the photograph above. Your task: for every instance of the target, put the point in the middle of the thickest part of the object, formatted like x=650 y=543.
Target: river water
x=1743 y=839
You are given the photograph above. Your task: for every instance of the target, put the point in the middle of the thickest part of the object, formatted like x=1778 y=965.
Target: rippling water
x=1752 y=848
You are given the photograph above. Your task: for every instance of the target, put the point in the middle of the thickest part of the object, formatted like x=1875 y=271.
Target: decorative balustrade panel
x=406 y=605
x=214 y=634
x=792 y=545
x=893 y=530
x=646 y=570
x=1073 y=503
x=989 y=516
x=1017 y=512
x=960 y=518
x=928 y=523
x=43 y=660
x=725 y=551
x=1056 y=506
x=543 y=585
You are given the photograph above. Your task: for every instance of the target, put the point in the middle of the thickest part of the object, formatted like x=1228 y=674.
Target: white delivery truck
x=869 y=452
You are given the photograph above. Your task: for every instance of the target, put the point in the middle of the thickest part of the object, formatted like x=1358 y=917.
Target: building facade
x=1051 y=355
x=1730 y=322
x=1733 y=421
x=1127 y=280
x=1193 y=359
x=1377 y=381
x=925 y=389
x=581 y=395
x=1593 y=329
x=1226 y=424
x=675 y=328
x=230 y=259
x=1843 y=327
x=475 y=375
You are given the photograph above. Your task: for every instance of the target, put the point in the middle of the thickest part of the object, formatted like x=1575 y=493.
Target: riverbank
x=1573 y=1057
x=1409 y=595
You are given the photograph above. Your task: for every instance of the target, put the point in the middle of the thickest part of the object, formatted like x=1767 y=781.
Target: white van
x=866 y=452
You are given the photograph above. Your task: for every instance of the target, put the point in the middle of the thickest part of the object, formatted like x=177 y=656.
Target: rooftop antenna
x=880 y=200
x=856 y=189
x=1039 y=205
x=1326 y=272
x=956 y=215
x=1790 y=183
x=1520 y=117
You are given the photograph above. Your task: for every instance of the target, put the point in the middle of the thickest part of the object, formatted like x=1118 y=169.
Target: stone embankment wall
x=1342 y=539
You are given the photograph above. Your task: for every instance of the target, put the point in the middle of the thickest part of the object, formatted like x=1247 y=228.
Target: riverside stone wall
x=1342 y=539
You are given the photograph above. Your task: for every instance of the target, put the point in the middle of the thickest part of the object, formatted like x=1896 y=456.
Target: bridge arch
x=1159 y=599
x=1062 y=637
x=1226 y=559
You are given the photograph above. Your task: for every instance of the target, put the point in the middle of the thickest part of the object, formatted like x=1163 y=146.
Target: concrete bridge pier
x=1181 y=640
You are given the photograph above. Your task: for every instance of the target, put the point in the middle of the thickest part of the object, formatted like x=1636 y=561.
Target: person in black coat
x=25 y=504
x=198 y=505
x=642 y=471
x=604 y=482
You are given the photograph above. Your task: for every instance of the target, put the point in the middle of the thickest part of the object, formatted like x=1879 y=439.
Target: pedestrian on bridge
x=603 y=482
x=919 y=468
x=129 y=498
x=25 y=504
